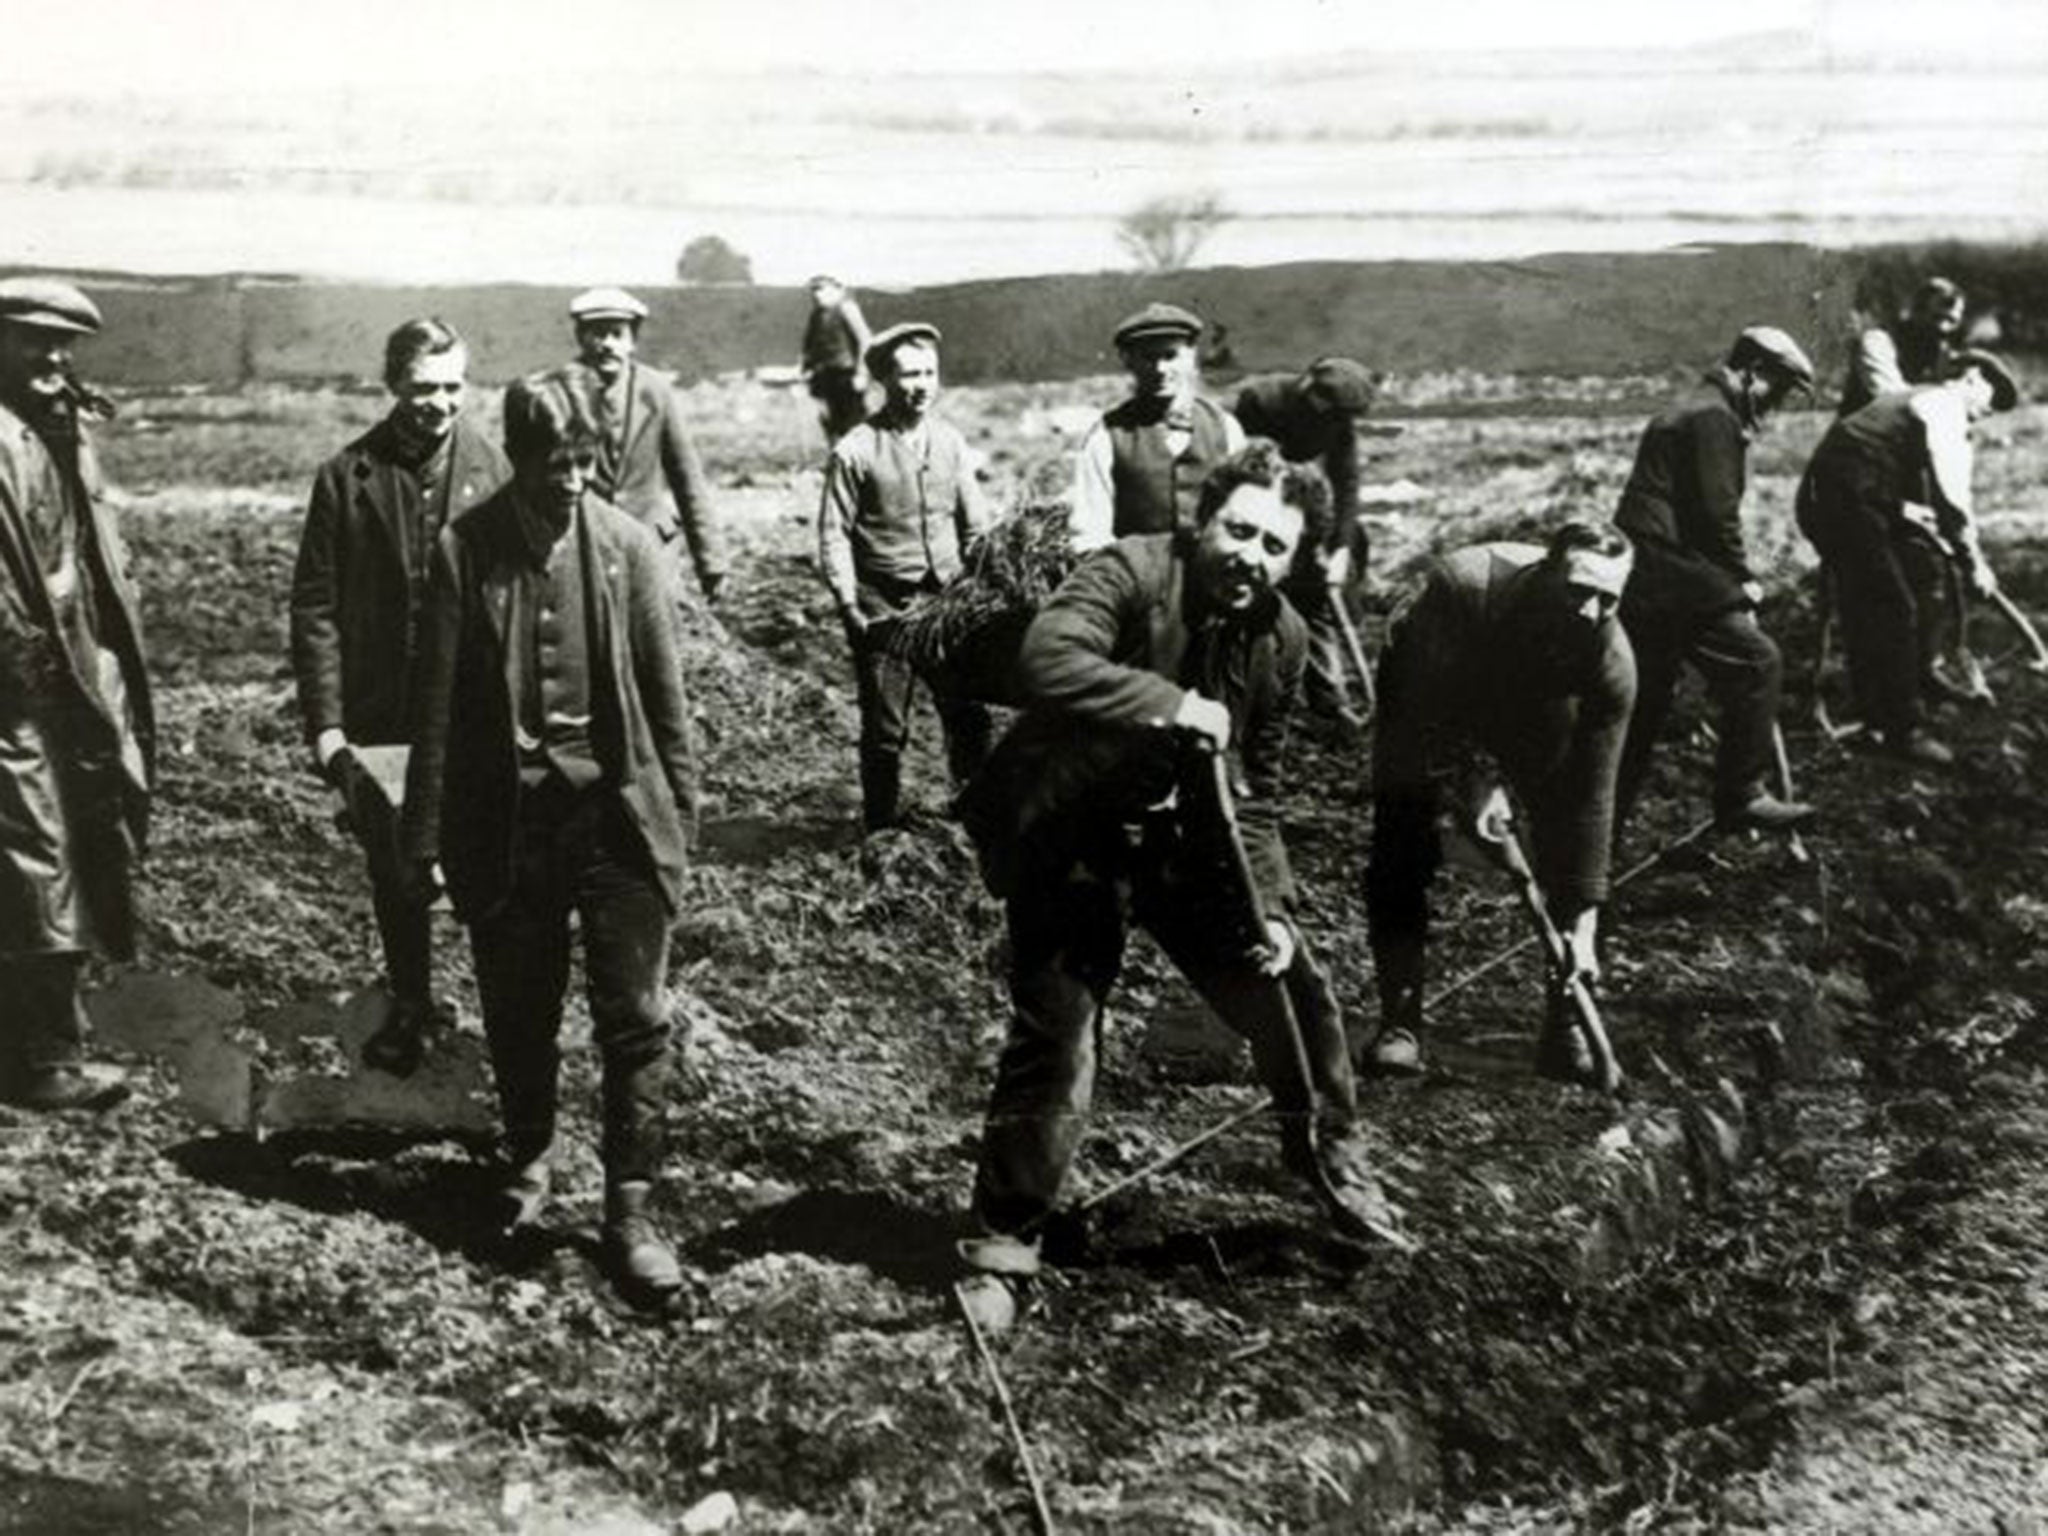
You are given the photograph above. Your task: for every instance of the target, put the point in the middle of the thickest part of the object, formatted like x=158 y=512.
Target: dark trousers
x=1886 y=582
x=1407 y=851
x=404 y=928
x=1066 y=942
x=575 y=852
x=1743 y=673
x=886 y=686
x=1328 y=680
x=842 y=403
x=45 y=1020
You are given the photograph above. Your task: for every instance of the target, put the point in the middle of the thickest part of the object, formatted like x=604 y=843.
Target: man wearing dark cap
x=834 y=349
x=1313 y=416
x=1141 y=467
x=646 y=464
x=901 y=502
x=77 y=735
x=357 y=593
x=1692 y=600
x=1864 y=479
x=551 y=776
x=1514 y=650
x=1916 y=347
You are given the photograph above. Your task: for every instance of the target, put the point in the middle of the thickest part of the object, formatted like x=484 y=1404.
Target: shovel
x=1586 y=1015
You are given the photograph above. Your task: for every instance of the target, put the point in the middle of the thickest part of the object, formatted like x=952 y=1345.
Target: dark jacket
x=1682 y=508
x=1105 y=666
x=77 y=750
x=1468 y=661
x=1275 y=405
x=352 y=617
x=462 y=783
x=654 y=475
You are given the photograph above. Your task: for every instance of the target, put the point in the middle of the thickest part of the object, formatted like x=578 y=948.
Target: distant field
x=899 y=181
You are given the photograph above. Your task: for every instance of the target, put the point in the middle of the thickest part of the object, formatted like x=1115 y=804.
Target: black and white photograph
x=783 y=766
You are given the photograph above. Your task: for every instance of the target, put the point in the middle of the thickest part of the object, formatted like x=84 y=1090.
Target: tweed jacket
x=352 y=606
x=462 y=784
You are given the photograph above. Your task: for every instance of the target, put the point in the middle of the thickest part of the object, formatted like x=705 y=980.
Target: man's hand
x=419 y=881
x=1278 y=953
x=328 y=747
x=1581 y=948
x=1753 y=590
x=855 y=621
x=1203 y=717
x=1337 y=566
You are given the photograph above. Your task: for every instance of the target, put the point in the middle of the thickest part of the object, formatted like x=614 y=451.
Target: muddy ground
x=1793 y=1281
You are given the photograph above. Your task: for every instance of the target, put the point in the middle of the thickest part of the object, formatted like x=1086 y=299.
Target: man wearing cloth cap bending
x=1142 y=465
x=646 y=465
x=901 y=502
x=1514 y=650
x=1853 y=504
x=1693 y=598
x=1313 y=416
x=77 y=736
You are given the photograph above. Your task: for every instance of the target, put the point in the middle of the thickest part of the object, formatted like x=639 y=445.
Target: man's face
x=555 y=481
x=1977 y=393
x=1941 y=317
x=1768 y=389
x=1593 y=585
x=606 y=345
x=34 y=360
x=827 y=295
x=1162 y=367
x=911 y=379
x=428 y=396
x=1246 y=546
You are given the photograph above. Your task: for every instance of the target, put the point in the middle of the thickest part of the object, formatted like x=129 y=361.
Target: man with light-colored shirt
x=1142 y=465
x=901 y=503
x=1915 y=348
x=1858 y=505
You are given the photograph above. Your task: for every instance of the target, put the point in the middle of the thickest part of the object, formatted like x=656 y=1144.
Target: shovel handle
x=1354 y=647
x=1585 y=1011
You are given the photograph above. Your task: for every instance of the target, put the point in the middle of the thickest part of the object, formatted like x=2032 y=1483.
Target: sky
x=210 y=46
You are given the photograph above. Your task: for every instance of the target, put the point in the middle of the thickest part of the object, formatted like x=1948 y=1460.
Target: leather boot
x=639 y=1261
x=881 y=790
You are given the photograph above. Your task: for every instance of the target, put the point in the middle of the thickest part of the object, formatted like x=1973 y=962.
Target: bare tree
x=709 y=259
x=1163 y=234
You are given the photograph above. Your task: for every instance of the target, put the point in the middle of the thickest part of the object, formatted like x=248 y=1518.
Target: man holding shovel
x=1155 y=648
x=1516 y=651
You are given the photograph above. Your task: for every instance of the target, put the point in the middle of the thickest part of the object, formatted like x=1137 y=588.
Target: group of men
x=511 y=618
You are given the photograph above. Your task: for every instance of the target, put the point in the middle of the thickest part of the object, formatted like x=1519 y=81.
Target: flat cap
x=1773 y=348
x=887 y=341
x=1344 y=383
x=1159 y=320
x=606 y=304
x=2005 y=387
x=49 y=303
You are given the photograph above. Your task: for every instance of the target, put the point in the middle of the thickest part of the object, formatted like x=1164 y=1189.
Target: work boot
x=1394 y=1053
x=400 y=1043
x=1765 y=811
x=1914 y=745
x=66 y=1086
x=1000 y=1269
x=639 y=1261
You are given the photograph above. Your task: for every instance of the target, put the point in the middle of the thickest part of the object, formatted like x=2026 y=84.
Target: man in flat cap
x=1514 y=650
x=646 y=464
x=834 y=357
x=1313 y=416
x=358 y=591
x=1693 y=598
x=1859 y=503
x=551 y=776
x=1142 y=465
x=77 y=735
x=1916 y=347
x=901 y=502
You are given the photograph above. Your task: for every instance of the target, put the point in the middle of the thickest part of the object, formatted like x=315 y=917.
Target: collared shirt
x=900 y=504
x=1094 y=519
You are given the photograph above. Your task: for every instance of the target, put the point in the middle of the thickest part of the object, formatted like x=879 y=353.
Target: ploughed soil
x=1792 y=1280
